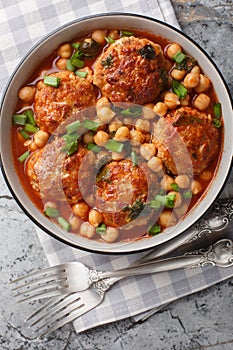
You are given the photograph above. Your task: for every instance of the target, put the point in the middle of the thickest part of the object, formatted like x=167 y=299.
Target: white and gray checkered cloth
x=23 y=23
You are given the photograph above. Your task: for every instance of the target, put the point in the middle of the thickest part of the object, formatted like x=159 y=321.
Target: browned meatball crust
x=54 y=105
x=186 y=141
x=119 y=186
x=131 y=70
x=53 y=174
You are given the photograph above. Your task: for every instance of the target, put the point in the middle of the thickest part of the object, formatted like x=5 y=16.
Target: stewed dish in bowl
x=117 y=133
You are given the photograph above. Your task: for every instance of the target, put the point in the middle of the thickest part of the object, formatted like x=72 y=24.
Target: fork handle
x=158 y=266
x=218 y=254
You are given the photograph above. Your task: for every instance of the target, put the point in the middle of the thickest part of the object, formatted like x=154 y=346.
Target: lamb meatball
x=53 y=175
x=131 y=70
x=120 y=185
x=186 y=141
x=54 y=105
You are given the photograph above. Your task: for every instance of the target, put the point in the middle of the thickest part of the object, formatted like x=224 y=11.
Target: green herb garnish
x=154 y=230
x=134 y=112
x=187 y=194
x=107 y=62
x=64 y=223
x=147 y=52
x=72 y=127
x=51 y=81
x=93 y=147
x=134 y=210
x=70 y=66
x=101 y=229
x=109 y=39
x=81 y=74
x=179 y=89
x=114 y=146
x=126 y=33
x=217 y=110
x=179 y=57
x=24 y=156
x=51 y=212
x=134 y=158
x=90 y=124
x=19 y=119
x=217 y=123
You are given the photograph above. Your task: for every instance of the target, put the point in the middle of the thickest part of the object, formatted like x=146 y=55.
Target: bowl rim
x=24 y=58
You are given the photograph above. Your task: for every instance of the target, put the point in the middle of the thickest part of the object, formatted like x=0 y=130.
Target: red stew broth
x=49 y=65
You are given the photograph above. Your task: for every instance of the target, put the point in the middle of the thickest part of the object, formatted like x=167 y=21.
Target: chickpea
x=105 y=114
x=114 y=125
x=101 y=138
x=41 y=138
x=178 y=74
x=206 y=175
x=122 y=134
x=204 y=84
x=103 y=101
x=202 y=102
x=136 y=137
x=149 y=105
x=99 y=36
x=88 y=137
x=147 y=150
x=182 y=181
x=155 y=164
x=61 y=63
x=65 y=50
x=178 y=198
x=196 y=70
x=81 y=210
x=128 y=122
x=196 y=187
x=160 y=109
x=191 y=80
x=95 y=217
x=27 y=93
x=185 y=101
x=173 y=49
x=171 y=100
x=142 y=125
x=181 y=210
x=32 y=147
x=75 y=223
x=111 y=234
x=167 y=218
x=148 y=112
x=166 y=183
x=87 y=230
x=114 y=34
x=147 y=137
x=50 y=204
x=118 y=156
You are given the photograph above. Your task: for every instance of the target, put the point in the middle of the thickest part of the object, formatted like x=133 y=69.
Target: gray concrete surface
x=200 y=321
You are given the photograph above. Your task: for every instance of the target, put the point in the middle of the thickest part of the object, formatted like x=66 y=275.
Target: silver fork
x=61 y=310
x=73 y=277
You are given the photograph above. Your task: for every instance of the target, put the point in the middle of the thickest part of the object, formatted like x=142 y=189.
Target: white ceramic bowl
x=79 y=28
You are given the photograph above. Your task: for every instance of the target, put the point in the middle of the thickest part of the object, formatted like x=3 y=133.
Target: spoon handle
x=218 y=254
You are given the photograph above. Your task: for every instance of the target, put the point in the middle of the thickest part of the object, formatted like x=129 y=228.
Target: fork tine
x=73 y=311
x=40 y=280
x=28 y=287
x=55 y=307
x=45 y=293
x=45 y=306
x=57 y=269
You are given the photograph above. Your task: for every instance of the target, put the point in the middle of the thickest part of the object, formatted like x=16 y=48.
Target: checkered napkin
x=22 y=23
